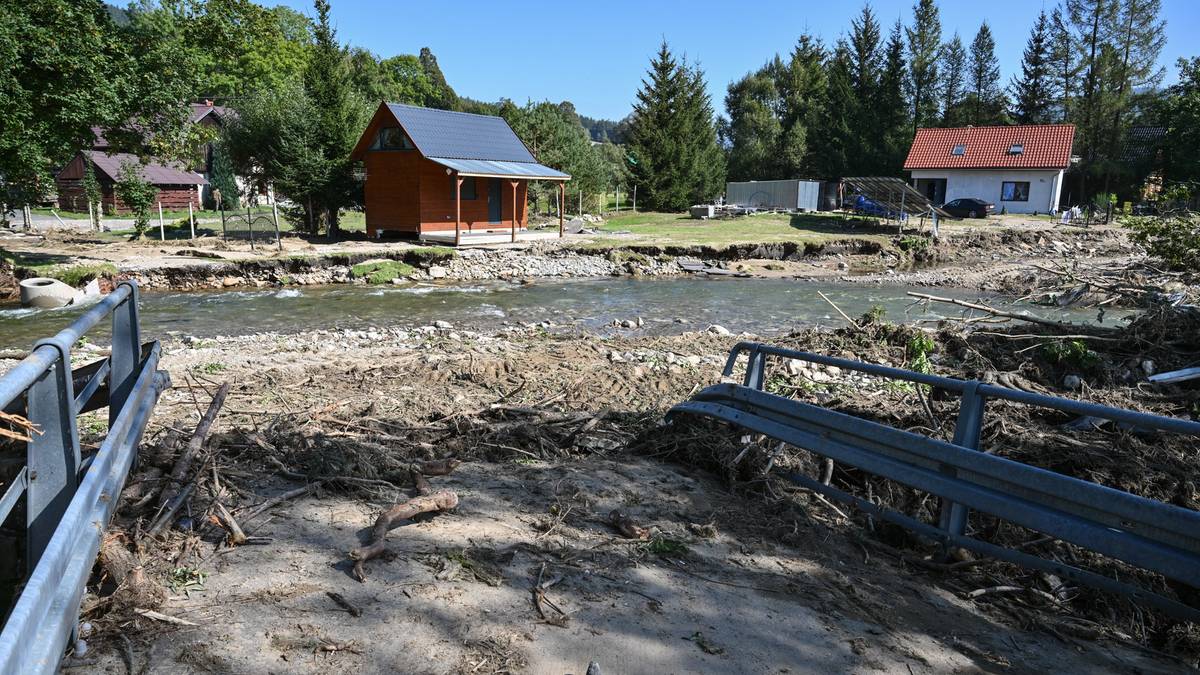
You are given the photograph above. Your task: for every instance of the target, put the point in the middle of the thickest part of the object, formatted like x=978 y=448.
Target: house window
x=1016 y=149
x=959 y=150
x=1014 y=191
x=392 y=138
x=468 y=187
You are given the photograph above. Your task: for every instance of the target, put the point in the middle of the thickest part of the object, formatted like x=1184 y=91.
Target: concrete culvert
x=43 y=293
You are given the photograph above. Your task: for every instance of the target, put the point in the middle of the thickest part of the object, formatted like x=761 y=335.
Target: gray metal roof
x=483 y=167
x=153 y=172
x=457 y=135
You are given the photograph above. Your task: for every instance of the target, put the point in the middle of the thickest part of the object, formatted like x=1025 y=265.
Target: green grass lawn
x=57 y=267
x=680 y=230
x=177 y=229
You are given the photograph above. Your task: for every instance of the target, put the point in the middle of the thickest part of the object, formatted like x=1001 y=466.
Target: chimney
x=208 y=102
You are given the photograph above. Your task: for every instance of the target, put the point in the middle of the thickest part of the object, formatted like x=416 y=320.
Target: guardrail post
x=53 y=454
x=953 y=517
x=126 y=352
x=754 y=369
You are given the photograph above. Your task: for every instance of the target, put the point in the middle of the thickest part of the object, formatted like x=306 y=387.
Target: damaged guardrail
x=1142 y=532
x=68 y=498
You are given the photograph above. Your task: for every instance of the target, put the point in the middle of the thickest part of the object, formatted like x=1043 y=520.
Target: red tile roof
x=1046 y=146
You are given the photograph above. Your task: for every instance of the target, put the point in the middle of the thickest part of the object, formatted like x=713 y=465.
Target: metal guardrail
x=1143 y=532
x=68 y=498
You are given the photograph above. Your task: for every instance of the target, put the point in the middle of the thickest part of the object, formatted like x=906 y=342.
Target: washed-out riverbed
x=665 y=305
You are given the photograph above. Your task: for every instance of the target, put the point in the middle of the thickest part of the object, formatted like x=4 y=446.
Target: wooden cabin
x=177 y=187
x=446 y=176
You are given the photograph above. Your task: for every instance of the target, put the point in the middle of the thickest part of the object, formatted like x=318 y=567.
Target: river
x=666 y=305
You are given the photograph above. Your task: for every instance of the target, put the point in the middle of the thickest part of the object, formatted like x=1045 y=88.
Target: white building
x=1017 y=168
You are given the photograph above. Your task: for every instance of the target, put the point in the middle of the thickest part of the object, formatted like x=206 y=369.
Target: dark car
x=968 y=207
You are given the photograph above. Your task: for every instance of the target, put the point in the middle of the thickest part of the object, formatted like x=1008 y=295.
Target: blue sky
x=594 y=54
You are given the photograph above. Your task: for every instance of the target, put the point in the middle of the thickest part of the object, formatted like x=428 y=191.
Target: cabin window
x=1016 y=149
x=959 y=150
x=468 y=187
x=392 y=138
x=1014 y=191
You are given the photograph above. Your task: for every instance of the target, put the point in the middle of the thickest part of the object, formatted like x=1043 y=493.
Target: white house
x=1017 y=168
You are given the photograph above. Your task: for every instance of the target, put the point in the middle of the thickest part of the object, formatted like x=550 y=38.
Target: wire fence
x=259 y=225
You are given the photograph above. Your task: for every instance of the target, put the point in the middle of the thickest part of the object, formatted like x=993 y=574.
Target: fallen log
x=183 y=464
x=426 y=501
x=999 y=312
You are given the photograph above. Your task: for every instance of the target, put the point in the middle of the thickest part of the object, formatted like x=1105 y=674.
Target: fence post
x=91 y=216
x=275 y=218
x=581 y=201
x=126 y=352
x=52 y=455
x=250 y=224
x=162 y=231
x=635 y=197
x=191 y=220
x=953 y=517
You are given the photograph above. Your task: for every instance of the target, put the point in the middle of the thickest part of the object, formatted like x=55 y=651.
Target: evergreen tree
x=1181 y=115
x=444 y=96
x=672 y=137
x=802 y=88
x=891 y=118
x=837 y=121
x=1063 y=65
x=954 y=77
x=1092 y=23
x=986 y=102
x=1033 y=94
x=753 y=130
x=338 y=119
x=222 y=179
x=1138 y=40
x=924 y=39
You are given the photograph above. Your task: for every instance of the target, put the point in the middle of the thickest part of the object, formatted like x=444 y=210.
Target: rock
x=842 y=265
x=437 y=272
x=1148 y=367
x=615 y=357
x=718 y=329
x=628 y=323
x=640 y=323
x=442 y=325
x=230 y=281
x=1072 y=382
x=397 y=281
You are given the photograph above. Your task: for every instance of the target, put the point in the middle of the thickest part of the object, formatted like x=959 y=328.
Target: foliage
x=1180 y=113
x=673 y=139
x=222 y=178
x=1173 y=240
x=924 y=39
x=920 y=346
x=65 y=67
x=137 y=193
x=381 y=272
x=91 y=189
x=443 y=96
x=1033 y=93
x=1071 y=353
x=553 y=134
x=954 y=80
x=605 y=130
x=985 y=102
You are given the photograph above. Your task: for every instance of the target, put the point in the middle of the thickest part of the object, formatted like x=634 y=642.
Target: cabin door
x=494 y=203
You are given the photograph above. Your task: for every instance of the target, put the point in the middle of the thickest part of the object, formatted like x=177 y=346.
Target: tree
x=672 y=137
x=1138 y=39
x=136 y=193
x=753 y=129
x=953 y=84
x=1092 y=23
x=1062 y=63
x=444 y=97
x=1033 y=94
x=837 y=119
x=1181 y=115
x=891 y=117
x=985 y=99
x=222 y=178
x=865 y=61
x=66 y=67
x=924 y=39
x=555 y=136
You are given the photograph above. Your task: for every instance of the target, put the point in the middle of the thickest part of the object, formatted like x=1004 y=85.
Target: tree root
x=426 y=501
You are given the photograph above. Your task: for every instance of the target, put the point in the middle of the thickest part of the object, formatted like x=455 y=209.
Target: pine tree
x=802 y=89
x=223 y=179
x=444 y=97
x=954 y=75
x=865 y=62
x=1092 y=23
x=1138 y=40
x=1033 y=94
x=924 y=39
x=891 y=112
x=338 y=119
x=1063 y=66
x=672 y=137
x=753 y=130
x=837 y=122
x=986 y=104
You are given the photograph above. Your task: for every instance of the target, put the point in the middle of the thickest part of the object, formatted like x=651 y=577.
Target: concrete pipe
x=45 y=293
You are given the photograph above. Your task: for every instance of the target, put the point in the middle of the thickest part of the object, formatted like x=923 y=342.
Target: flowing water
x=669 y=304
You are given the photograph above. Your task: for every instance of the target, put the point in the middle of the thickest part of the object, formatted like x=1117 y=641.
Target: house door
x=494 y=203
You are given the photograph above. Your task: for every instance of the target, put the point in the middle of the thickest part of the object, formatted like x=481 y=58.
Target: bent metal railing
x=1142 y=532
x=69 y=498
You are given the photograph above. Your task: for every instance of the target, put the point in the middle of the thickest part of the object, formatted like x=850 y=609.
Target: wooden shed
x=445 y=176
x=176 y=185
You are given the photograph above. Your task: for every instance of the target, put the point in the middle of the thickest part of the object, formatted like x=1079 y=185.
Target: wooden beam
x=516 y=220
x=458 y=181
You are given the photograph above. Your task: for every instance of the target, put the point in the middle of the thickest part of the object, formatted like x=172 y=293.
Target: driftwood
x=999 y=312
x=183 y=464
x=171 y=508
x=225 y=519
x=627 y=526
x=426 y=501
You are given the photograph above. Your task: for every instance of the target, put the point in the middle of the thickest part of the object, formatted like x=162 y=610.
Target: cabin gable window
x=392 y=138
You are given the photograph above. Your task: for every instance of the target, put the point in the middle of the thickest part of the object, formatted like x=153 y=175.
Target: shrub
x=1174 y=240
x=381 y=272
x=137 y=193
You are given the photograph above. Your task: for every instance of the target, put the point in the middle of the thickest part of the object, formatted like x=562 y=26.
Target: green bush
x=381 y=272
x=137 y=193
x=1173 y=240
